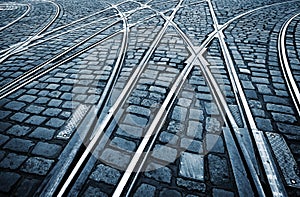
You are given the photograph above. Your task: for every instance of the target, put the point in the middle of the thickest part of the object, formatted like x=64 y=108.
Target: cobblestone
x=214 y=143
x=19 y=145
x=169 y=192
x=158 y=172
x=191 y=145
x=15 y=105
x=19 y=130
x=92 y=191
x=191 y=185
x=190 y=156
x=123 y=144
x=221 y=192
x=36 y=120
x=145 y=190
x=166 y=138
x=37 y=165
x=8 y=180
x=164 y=153
x=46 y=150
x=195 y=130
x=192 y=166
x=218 y=170
x=42 y=133
x=106 y=174
x=115 y=157
x=27 y=187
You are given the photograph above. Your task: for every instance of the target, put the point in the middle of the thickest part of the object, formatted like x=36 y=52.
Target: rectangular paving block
x=192 y=166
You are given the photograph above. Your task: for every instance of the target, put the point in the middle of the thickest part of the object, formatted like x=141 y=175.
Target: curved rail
x=124 y=94
x=284 y=63
x=27 y=77
x=19 y=18
x=30 y=75
x=105 y=95
x=68 y=31
x=164 y=110
x=270 y=169
x=230 y=121
x=22 y=44
x=269 y=166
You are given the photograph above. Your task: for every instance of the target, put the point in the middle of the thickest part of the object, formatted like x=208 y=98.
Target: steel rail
x=16 y=46
x=106 y=93
x=67 y=25
x=29 y=76
x=125 y=178
x=164 y=110
x=284 y=63
x=24 y=48
x=207 y=41
x=117 y=191
x=121 y=99
x=15 y=84
x=269 y=165
x=74 y=22
x=19 y=18
x=95 y=109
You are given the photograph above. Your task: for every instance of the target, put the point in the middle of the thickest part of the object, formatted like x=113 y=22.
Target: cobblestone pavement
x=149 y=98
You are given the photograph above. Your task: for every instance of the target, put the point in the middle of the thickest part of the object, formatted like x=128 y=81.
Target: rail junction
x=149 y=98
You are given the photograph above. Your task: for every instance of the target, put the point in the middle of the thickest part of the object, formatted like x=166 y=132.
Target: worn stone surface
x=192 y=166
x=106 y=174
x=159 y=172
x=31 y=117
x=145 y=190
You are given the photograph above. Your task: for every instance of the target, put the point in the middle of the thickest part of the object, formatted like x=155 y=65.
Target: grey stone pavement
x=75 y=70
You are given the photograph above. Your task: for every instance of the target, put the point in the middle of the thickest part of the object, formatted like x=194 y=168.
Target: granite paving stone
x=168 y=138
x=37 y=165
x=19 y=145
x=123 y=144
x=116 y=158
x=19 y=130
x=15 y=105
x=106 y=174
x=179 y=113
x=218 y=170
x=27 y=187
x=135 y=120
x=36 y=120
x=129 y=131
x=189 y=156
x=46 y=150
x=8 y=180
x=12 y=161
x=192 y=166
x=55 y=123
x=3 y=139
x=194 y=146
x=145 y=190
x=195 y=130
x=42 y=133
x=170 y=192
x=191 y=185
x=19 y=117
x=158 y=172
x=214 y=143
x=164 y=153
x=93 y=191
